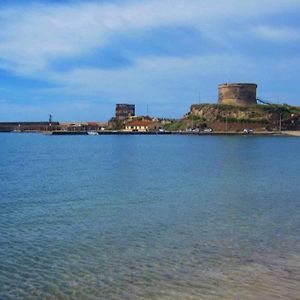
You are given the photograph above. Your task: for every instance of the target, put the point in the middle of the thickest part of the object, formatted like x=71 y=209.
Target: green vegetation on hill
x=260 y=115
x=251 y=113
x=176 y=125
x=257 y=107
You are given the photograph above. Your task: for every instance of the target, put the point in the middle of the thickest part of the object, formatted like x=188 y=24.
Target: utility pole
x=280 y=121
x=226 y=122
x=192 y=118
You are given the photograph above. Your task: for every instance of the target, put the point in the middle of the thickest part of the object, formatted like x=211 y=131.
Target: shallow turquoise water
x=147 y=217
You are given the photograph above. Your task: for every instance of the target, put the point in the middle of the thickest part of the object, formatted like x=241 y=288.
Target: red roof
x=139 y=123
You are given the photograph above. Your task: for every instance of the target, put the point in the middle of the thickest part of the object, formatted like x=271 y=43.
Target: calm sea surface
x=149 y=217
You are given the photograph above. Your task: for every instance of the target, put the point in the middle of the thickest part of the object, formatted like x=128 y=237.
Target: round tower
x=237 y=93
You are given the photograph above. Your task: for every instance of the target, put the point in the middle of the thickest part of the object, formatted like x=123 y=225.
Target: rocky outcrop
x=250 y=113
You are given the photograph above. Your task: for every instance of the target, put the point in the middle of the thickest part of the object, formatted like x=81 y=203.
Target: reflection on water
x=149 y=217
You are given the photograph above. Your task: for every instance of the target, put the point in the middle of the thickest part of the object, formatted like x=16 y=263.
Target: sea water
x=149 y=217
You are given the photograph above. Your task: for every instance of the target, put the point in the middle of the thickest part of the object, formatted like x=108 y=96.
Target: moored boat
x=92 y=133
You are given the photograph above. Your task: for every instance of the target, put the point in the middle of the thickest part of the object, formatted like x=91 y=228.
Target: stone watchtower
x=237 y=93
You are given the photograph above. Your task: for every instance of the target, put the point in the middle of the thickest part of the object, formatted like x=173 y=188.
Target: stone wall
x=237 y=93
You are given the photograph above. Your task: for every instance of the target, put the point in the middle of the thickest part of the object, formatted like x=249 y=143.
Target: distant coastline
x=183 y=133
x=238 y=111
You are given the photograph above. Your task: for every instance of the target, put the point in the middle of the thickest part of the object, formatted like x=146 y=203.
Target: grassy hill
x=235 y=117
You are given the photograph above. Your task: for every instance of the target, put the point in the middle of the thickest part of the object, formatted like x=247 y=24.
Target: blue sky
x=76 y=59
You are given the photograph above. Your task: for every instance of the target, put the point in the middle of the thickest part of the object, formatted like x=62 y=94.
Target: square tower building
x=124 y=111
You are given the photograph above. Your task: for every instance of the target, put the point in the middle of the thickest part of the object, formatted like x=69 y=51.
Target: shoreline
x=120 y=132
x=222 y=133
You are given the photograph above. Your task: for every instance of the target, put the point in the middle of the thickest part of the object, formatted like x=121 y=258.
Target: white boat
x=92 y=133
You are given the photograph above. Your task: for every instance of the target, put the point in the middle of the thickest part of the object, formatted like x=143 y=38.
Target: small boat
x=92 y=133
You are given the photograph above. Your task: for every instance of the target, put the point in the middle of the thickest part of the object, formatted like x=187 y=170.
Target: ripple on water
x=149 y=217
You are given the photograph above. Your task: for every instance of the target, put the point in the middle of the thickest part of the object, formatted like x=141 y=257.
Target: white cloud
x=33 y=35
x=155 y=79
x=159 y=80
x=277 y=34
